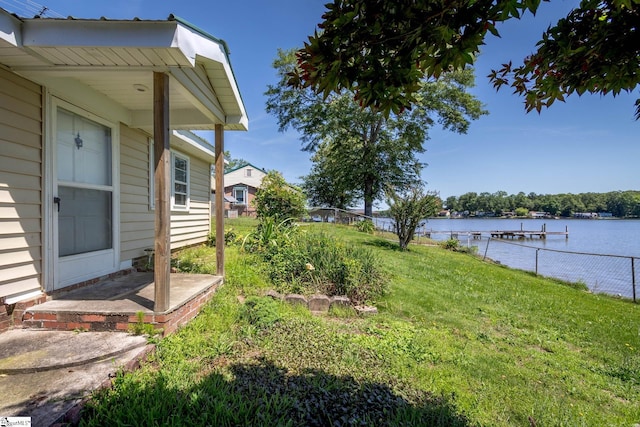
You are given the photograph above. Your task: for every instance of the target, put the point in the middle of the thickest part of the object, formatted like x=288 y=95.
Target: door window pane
x=84 y=219
x=83 y=150
x=84 y=159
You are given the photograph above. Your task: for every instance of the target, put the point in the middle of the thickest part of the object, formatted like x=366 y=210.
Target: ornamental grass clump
x=317 y=263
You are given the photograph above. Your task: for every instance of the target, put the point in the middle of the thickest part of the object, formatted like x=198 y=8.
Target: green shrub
x=260 y=312
x=314 y=262
x=270 y=234
x=366 y=226
x=451 y=244
x=278 y=199
x=230 y=237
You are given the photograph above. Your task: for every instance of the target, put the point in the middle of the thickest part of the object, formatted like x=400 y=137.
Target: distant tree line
x=621 y=204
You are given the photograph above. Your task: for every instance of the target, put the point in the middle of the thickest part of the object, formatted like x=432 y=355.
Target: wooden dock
x=502 y=234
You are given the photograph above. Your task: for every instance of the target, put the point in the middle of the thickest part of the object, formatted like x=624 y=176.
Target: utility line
x=29 y=9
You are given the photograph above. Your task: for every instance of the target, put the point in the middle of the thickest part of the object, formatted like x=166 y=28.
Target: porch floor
x=114 y=304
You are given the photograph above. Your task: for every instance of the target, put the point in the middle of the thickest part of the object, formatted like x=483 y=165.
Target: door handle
x=57 y=201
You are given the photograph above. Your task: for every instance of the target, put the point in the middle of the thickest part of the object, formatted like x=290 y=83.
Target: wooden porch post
x=219 y=214
x=162 y=181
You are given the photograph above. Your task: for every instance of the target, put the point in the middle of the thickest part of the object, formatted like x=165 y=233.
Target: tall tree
x=374 y=149
x=325 y=186
x=233 y=164
x=382 y=49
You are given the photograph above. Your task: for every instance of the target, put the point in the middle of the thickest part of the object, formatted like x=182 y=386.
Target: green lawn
x=457 y=342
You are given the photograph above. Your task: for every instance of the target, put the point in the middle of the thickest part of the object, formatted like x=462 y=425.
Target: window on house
x=247 y=172
x=152 y=184
x=179 y=181
x=240 y=194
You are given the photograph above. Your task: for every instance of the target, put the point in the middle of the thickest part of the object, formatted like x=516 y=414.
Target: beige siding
x=194 y=226
x=239 y=176
x=20 y=185
x=136 y=219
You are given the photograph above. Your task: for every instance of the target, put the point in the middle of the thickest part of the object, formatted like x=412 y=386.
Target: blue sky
x=588 y=144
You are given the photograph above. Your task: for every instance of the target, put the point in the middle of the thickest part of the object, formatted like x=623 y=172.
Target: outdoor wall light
x=78 y=141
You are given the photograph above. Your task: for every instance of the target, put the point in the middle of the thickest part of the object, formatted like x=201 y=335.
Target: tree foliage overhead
x=381 y=49
x=361 y=148
x=233 y=164
x=595 y=49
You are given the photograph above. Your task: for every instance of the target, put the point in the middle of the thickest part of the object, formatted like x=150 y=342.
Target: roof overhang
x=113 y=61
x=192 y=144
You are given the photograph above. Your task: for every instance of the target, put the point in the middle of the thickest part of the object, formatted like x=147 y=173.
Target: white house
x=95 y=162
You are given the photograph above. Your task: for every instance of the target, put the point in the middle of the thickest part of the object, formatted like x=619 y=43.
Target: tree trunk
x=368 y=197
x=369 y=143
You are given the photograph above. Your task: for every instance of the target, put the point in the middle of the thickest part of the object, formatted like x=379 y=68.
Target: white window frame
x=152 y=186
x=247 y=172
x=152 y=178
x=174 y=206
x=245 y=193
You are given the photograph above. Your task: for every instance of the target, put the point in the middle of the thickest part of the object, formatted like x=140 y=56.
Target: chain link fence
x=601 y=273
x=335 y=215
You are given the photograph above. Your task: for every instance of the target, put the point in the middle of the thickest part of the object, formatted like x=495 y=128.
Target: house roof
x=112 y=62
x=244 y=166
x=239 y=183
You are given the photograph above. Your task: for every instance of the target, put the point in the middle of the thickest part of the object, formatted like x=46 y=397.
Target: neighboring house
x=585 y=215
x=538 y=215
x=240 y=186
x=84 y=105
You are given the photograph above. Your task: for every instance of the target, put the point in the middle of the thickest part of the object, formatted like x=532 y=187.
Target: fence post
x=537 y=250
x=486 y=249
x=633 y=279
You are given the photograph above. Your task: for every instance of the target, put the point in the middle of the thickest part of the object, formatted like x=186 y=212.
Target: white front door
x=84 y=229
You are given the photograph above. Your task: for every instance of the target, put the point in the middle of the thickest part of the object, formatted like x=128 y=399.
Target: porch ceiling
x=115 y=61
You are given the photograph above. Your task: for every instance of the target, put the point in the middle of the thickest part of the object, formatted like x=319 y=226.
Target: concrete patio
x=47 y=376
x=114 y=304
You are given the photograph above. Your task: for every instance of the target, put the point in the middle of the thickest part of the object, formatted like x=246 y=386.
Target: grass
x=457 y=342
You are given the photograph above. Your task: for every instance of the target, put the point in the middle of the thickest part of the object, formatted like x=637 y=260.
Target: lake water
x=556 y=255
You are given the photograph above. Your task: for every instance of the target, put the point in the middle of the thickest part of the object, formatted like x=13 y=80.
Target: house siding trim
x=21 y=189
